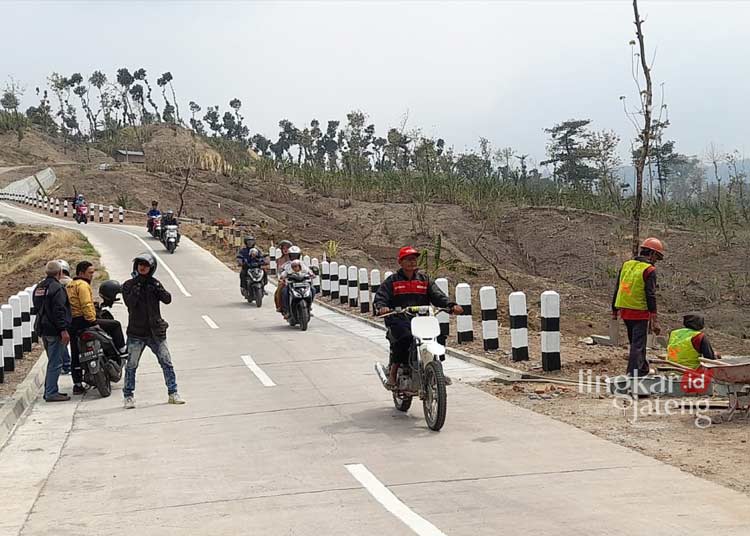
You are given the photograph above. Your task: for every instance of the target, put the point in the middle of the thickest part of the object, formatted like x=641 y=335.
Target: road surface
x=290 y=433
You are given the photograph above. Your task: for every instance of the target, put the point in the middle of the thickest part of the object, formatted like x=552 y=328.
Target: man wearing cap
x=634 y=301
x=406 y=288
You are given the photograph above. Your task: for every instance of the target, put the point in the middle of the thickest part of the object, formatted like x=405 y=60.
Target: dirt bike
x=82 y=214
x=423 y=375
x=253 y=291
x=101 y=362
x=300 y=299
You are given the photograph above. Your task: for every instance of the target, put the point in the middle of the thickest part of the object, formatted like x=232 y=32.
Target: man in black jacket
x=407 y=287
x=142 y=295
x=52 y=323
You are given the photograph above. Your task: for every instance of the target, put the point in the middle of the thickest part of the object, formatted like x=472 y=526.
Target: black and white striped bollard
x=15 y=304
x=9 y=354
x=334 y=281
x=325 y=278
x=343 y=285
x=316 y=280
x=65 y=208
x=463 y=321
x=34 y=334
x=101 y=214
x=306 y=260
x=550 y=331
x=121 y=215
x=57 y=207
x=25 y=320
x=353 y=279
x=272 y=260
x=443 y=318
x=519 y=326
x=364 y=291
x=488 y=304
x=111 y=214
x=374 y=282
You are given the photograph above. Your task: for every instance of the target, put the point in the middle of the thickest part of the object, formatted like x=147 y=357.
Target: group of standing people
x=65 y=308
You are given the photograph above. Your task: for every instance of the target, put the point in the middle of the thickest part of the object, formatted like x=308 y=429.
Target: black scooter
x=100 y=360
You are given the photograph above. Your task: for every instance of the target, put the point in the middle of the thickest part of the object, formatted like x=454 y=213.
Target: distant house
x=131 y=157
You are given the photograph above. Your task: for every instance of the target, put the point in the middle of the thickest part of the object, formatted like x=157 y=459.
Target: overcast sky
x=504 y=69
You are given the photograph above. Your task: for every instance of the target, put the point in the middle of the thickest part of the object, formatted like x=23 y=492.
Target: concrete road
x=289 y=433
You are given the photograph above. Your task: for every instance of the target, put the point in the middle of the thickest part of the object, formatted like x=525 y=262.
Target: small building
x=130 y=157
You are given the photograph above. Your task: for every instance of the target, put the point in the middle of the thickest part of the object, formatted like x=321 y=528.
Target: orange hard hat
x=654 y=244
x=406 y=252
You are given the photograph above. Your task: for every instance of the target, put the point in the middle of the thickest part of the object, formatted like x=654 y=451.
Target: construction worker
x=635 y=302
x=688 y=344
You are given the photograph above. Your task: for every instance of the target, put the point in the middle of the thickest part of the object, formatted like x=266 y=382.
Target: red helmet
x=654 y=244
x=406 y=252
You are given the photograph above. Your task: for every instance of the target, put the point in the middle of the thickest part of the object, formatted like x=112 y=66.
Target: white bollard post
x=34 y=334
x=111 y=214
x=443 y=318
x=9 y=355
x=272 y=260
x=65 y=208
x=325 y=282
x=92 y=211
x=316 y=280
x=364 y=291
x=343 y=285
x=488 y=304
x=387 y=275
x=15 y=304
x=101 y=214
x=121 y=215
x=57 y=207
x=25 y=320
x=519 y=326
x=306 y=260
x=353 y=278
x=334 y=281
x=45 y=203
x=463 y=321
x=550 y=331
x=374 y=282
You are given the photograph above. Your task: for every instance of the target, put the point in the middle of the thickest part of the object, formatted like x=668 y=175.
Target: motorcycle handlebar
x=415 y=310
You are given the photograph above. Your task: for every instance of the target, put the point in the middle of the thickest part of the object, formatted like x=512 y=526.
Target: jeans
x=55 y=350
x=637 y=335
x=136 y=345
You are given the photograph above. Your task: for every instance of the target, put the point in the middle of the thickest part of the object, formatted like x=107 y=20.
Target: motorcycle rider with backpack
x=248 y=257
x=405 y=288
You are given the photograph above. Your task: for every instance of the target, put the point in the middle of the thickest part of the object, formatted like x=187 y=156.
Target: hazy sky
x=504 y=69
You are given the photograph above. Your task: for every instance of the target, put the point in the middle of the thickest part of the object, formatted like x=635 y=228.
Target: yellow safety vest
x=681 y=350
x=631 y=293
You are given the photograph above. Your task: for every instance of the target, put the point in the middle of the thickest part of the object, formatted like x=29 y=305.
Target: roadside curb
x=23 y=398
x=508 y=373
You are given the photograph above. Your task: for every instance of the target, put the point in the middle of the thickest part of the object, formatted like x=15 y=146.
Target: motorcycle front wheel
x=435 y=403
x=258 y=296
x=303 y=315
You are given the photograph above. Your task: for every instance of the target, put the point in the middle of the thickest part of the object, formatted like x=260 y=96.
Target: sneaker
x=59 y=397
x=79 y=389
x=129 y=402
x=175 y=398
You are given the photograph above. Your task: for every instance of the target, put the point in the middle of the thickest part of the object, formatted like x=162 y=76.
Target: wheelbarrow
x=731 y=378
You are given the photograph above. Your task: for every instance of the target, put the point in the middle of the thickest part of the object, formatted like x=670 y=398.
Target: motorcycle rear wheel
x=402 y=403
x=435 y=403
x=102 y=383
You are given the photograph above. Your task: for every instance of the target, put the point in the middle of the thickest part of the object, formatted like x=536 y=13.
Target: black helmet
x=250 y=241
x=145 y=258
x=109 y=290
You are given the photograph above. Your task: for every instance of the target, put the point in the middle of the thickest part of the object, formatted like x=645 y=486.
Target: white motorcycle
x=423 y=375
x=171 y=237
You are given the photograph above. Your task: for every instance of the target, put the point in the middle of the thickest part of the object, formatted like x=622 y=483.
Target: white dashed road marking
x=255 y=369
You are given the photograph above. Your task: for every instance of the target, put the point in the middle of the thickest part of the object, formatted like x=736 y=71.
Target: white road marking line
x=255 y=369
x=211 y=323
x=392 y=503
x=63 y=223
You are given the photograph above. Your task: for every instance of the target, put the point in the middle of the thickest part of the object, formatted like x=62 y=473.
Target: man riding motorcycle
x=281 y=261
x=407 y=287
x=79 y=200
x=170 y=219
x=293 y=266
x=248 y=257
x=294 y=253
x=153 y=213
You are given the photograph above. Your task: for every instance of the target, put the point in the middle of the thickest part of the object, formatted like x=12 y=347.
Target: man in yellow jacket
x=634 y=301
x=688 y=344
x=82 y=306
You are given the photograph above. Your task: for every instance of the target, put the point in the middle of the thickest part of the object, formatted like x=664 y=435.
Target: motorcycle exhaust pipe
x=382 y=374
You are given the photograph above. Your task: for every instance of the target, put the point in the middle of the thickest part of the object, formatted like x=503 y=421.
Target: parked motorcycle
x=100 y=360
x=253 y=291
x=300 y=299
x=423 y=375
x=82 y=213
x=170 y=237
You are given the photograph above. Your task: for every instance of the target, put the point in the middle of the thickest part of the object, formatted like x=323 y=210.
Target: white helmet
x=294 y=253
x=65 y=266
